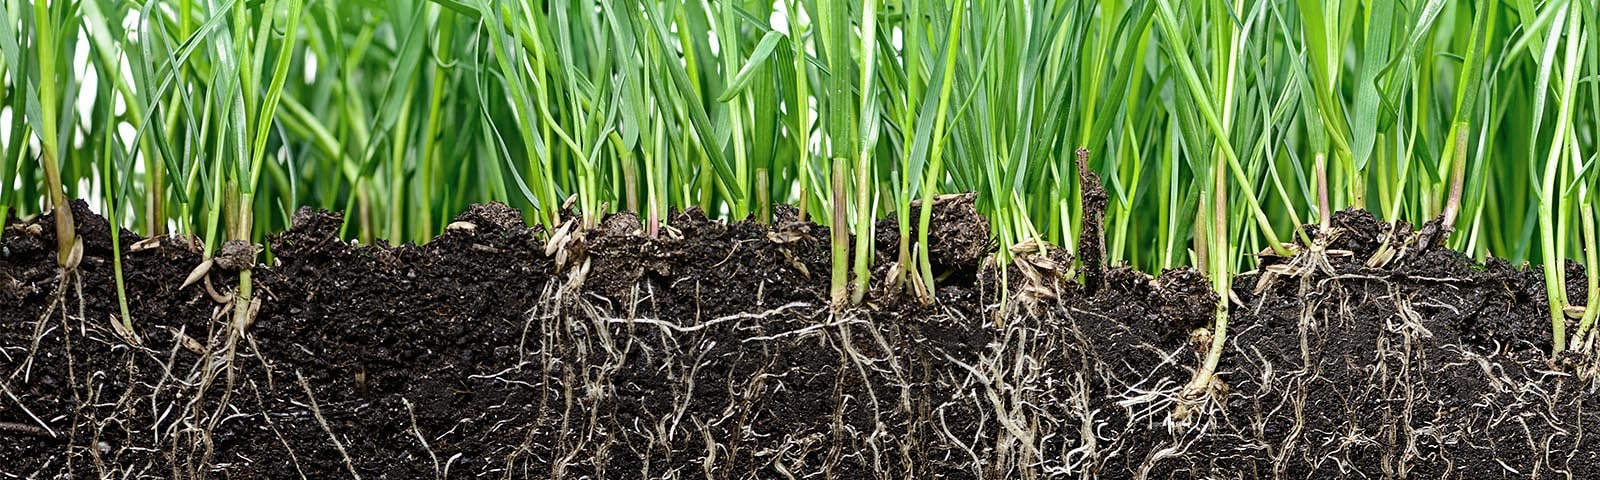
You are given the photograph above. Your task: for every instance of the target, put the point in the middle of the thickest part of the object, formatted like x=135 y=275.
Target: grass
x=1212 y=123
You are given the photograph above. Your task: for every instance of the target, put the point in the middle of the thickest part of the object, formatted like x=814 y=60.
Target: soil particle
x=22 y=240
x=1359 y=232
x=1186 y=298
x=785 y=214
x=236 y=255
x=1432 y=234
x=960 y=239
x=621 y=224
x=494 y=217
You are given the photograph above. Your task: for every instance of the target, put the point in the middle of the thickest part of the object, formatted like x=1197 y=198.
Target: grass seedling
x=252 y=124
x=835 y=30
x=1566 y=25
x=1216 y=105
x=111 y=164
x=46 y=109
x=935 y=164
x=866 y=146
x=1584 y=341
x=799 y=109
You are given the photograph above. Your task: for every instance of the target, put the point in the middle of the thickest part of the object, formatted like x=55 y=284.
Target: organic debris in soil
x=712 y=353
x=1092 y=240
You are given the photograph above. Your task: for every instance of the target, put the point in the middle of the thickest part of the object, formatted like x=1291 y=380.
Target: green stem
x=1554 y=273
x=428 y=165
x=1324 y=210
x=840 y=230
x=1591 y=261
x=802 y=94
x=864 y=241
x=737 y=111
x=655 y=195
x=935 y=171
x=763 y=197
x=866 y=199
x=397 y=177
x=1220 y=280
x=49 y=141
x=1217 y=124
x=113 y=219
x=630 y=173
x=1458 y=174
x=1169 y=207
x=1218 y=251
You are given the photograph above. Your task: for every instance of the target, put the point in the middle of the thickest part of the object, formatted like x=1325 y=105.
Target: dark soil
x=711 y=353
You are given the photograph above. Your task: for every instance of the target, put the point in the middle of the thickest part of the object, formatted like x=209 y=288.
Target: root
x=416 y=431
x=267 y=416
x=317 y=413
x=22 y=428
x=713 y=322
x=30 y=430
x=57 y=300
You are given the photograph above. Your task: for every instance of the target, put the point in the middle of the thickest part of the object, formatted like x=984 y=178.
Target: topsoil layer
x=712 y=353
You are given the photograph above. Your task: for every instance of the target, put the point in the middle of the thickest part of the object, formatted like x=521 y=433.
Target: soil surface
x=711 y=353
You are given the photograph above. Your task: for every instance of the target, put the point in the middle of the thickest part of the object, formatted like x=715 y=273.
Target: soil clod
x=236 y=255
x=493 y=217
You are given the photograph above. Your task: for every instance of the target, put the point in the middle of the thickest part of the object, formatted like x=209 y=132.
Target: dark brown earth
x=710 y=353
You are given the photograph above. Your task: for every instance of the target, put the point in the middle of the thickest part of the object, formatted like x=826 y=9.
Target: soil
x=712 y=353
